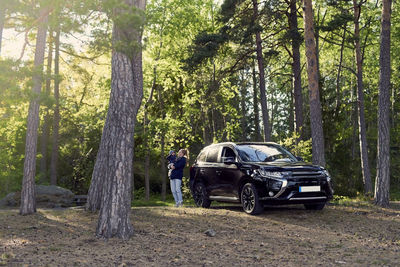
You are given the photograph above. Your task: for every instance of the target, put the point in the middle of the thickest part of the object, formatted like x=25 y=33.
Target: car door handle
x=218 y=172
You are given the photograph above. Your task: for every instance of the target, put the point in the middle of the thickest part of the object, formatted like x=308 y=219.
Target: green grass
x=395 y=195
x=360 y=200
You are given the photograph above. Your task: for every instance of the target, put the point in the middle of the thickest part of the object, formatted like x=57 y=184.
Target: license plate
x=309 y=188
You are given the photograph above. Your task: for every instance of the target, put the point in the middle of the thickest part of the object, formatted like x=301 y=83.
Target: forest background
x=201 y=85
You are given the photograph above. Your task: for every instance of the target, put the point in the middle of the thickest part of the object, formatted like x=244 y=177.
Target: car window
x=264 y=153
x=212 y=154
x=202 y=156
x=228 y=152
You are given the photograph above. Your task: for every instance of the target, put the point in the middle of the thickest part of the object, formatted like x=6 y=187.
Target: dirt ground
x=356 y=235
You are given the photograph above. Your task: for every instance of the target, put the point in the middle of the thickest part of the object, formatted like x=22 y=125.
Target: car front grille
x=306 y=176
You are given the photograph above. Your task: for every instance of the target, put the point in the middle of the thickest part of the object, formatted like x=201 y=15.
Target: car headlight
x=328 y=176
x=270 y=174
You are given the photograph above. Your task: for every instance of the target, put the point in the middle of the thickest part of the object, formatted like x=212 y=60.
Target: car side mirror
x=229 y=160
x=299 y=158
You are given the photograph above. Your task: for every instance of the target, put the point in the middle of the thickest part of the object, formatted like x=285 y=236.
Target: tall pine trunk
x=317 y=133
x=382 y=186
x=116 y=148
x=339 y=74
x=260 y=61
x=56 y=118
x=257 y=132
x=162 y=157
x=361 y=111
x=44 y=139
x=296 y=69
x=243 y=92
x=28 y=194
x=147 y=156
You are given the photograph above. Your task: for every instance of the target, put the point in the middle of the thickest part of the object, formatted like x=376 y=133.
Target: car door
x=228 y=174
x=209 y=171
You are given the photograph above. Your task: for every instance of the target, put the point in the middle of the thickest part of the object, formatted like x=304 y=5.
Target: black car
x=256 y=174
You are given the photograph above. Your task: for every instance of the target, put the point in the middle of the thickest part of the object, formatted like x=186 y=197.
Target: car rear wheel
x=200 y=196
x=317 y=206
x=250 y=201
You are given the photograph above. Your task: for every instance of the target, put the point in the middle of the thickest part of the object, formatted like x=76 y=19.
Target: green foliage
x=358 y=201
x=198 y=63
x=300 y=148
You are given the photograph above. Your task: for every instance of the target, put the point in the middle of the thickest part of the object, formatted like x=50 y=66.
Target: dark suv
x=256 y=174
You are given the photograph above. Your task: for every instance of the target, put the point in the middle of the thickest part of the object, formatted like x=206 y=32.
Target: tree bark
x=338 y=76
x=296 y=69
x=117 y=139
x=317 y=133
x=162 y=157
x=361 y=111
x=257 y=131
x=28 y=194
x=56 y=119
x=147 y=156
x=243 y=119
x=45 y=127
x=382 y=186
x=260 y=61
x=95 y=192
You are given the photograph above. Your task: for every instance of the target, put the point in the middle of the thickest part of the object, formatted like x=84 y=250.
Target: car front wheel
x=250 y=201
x=200 y=196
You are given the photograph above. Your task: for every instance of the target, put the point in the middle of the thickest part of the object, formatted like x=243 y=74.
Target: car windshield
x=264 y=153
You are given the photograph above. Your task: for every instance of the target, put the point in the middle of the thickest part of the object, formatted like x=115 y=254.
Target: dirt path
x=165 y=236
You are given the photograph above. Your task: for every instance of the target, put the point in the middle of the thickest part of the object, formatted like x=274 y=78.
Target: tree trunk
x=361 y=114
x=28 y=201
x=147 y=157
x=2 y=19
x=45 y=127
x=257 y=131
x=243 y=119
x=317 y=133
x=354 y=120
x=338 y=76
x=382 y=185
x=162 y=157
x=56 y=119
x=95 y=192
x=296 y=69
x=260 y=61
x=117 y=138
x=146 y=134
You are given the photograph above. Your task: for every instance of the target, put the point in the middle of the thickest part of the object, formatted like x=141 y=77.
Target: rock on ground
x=49 y=196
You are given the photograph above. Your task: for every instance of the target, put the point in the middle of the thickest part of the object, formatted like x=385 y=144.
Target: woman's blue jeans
x=176 y=190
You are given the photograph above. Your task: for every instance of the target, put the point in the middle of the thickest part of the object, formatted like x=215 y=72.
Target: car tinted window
x=202 y=156
x=212 y=154
x=264 y=153
x=228 y=153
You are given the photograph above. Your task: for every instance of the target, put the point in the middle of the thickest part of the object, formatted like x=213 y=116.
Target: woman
x=176 y=177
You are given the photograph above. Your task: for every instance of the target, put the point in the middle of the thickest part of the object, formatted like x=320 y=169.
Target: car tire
x=200 y=196
x=250 y=201
x=317 y=206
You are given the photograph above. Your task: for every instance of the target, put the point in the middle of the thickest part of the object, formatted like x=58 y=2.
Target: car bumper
x=290 y=192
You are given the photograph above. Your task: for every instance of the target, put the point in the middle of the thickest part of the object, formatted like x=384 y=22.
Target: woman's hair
x=184 y=152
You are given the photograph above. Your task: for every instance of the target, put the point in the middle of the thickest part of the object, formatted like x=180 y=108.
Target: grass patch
x=359 y=201
x=395 y=195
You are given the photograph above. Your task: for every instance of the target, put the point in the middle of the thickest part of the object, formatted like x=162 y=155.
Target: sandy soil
x=165 y=236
